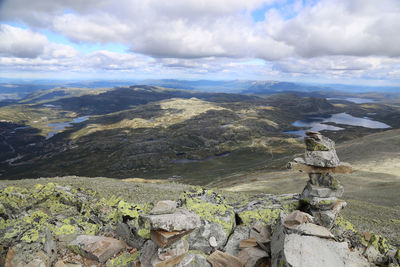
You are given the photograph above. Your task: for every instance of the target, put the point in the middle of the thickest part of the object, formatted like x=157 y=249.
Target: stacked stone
x=168 y=225
x=320 y=196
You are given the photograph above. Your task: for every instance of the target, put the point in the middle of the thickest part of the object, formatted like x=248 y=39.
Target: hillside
x=154 y=132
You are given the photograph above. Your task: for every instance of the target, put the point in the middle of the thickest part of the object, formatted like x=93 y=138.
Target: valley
x=159 y=133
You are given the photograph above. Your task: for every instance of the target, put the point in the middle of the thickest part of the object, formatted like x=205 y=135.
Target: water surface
x=317 y=124
x=60 y=126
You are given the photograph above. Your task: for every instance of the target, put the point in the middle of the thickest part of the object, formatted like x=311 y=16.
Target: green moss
x=32 y=235
x=266 y=216
x=75 y=249
x=335 y=184
x=288 y=207
x=65 y=229
x=144 y=233
x=124 y=260
x=344 y=224
x=380 y=243
x=314 y=146
x=218 y=213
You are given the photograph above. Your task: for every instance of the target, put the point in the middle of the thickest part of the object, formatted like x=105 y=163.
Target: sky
x=323 y=41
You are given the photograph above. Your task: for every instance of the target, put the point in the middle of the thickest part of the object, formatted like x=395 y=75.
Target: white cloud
x=17 y=42
x=335 y=38
x=342 y=27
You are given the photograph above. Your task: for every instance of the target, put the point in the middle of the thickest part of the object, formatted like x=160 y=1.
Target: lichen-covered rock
x=265 y=208
x=199 y=239
x=210 y=206
x=129 y=233
x=180 y=220
x=320 y=151
x=124 y=260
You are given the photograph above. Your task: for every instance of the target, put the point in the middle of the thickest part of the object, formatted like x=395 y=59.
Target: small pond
x=62 y=125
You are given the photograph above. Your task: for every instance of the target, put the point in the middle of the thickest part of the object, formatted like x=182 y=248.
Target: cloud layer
x=335 y=39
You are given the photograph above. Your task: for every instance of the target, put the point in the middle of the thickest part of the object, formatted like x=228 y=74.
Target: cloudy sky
x=333 y=41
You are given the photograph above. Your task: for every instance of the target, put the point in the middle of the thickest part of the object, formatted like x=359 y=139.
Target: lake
x=62 y=125
x=318 y=123
x=356 y=100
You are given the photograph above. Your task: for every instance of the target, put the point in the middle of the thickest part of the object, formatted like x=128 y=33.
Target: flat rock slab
x=180 y=220
x=295 y=218
x=343 y=167
x=321 y=191
x=164 y=238
x=221 y=259
x=248 y=243
x=297 y=250
x=164 y=207
x=312 y=230
x=99 y=248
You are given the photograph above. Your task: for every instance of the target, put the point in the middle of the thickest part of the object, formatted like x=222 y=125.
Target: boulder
x=164 y=207
x=199 y=239
x=221 y=259
x=97 y=248
x=297 y=250
x=180 y=220
x=240 y=233
x=128 y=233
x=253 y=257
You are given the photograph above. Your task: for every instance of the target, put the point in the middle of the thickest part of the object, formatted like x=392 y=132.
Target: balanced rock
x=99 y=248
x=180 y=220
x=320 y=151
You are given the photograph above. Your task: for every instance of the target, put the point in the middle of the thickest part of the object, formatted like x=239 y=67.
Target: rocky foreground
x=53 y=225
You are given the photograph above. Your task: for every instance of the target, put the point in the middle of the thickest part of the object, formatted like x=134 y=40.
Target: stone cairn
x=168 y=225
x=320 y=196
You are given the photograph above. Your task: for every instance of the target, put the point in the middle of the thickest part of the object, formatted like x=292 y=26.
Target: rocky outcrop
x=51 y=225
x=298 y=242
